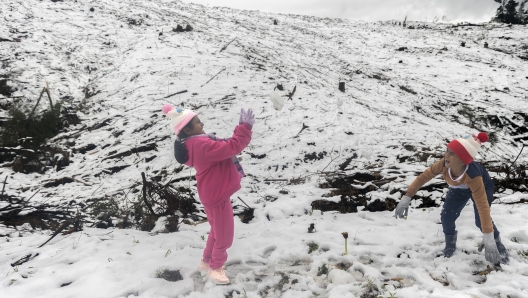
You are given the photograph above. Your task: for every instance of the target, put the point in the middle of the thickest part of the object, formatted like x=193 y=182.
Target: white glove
x=491 y=251
x=402 y=209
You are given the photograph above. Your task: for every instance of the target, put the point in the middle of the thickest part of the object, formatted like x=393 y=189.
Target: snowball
x=278 y=101
x=340 y=277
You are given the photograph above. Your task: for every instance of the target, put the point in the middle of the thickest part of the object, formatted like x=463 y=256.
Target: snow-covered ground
x=405 y=90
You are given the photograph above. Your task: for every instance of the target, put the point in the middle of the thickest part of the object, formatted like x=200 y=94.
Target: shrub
x=509 y=14
x=312 y=247
x=371 y=289
x=27 y=130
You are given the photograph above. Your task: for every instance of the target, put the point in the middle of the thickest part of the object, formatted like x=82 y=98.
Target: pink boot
x=218 y=276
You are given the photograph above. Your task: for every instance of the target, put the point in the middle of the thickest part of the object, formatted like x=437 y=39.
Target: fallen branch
x=292 y=93
x=179 y=92
x=80 y=181
x=223 y=100
x=62 y=227
x=213 y=77
x=244 y=202
x=33 y=195
x=225 y=47
x=303 y=128
x=194 y=107
x=468 y=25
x=24 y=260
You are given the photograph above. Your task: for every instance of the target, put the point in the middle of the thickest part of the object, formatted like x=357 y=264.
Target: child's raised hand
x=247 y=117
x=250 y=117
x=241 y=119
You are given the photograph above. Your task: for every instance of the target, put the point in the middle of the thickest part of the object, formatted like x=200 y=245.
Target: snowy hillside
x=408 y=92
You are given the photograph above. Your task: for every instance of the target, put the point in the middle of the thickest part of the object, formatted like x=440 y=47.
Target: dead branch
x=33 y=195
x=332 y=159
x=77 y=225
x=3 y=188
x=225 y=47
x=222 y=100
x=213 y=77
x=179 y=92
x=290 y=95
x=62 y=227
x=194 y=107
x=510 y=165
x=243 y=202
x=49 y=95
x=145 y=193
x=468 y=25
x=303 y=128
x=24 y=260
x=38 y=101
x=45 y=89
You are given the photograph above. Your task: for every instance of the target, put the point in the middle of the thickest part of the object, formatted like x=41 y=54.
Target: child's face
x=452 y=160
x=197 y=127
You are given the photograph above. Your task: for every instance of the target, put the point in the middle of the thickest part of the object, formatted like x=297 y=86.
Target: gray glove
x=402 y=209
x=247 y=117
x=491 y=251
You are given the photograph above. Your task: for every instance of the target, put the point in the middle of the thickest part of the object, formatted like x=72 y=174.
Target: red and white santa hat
x=179 y=117
x=467 y=148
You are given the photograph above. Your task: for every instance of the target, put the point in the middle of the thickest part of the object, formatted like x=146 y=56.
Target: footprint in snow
x=199 y=280
x=268 y=251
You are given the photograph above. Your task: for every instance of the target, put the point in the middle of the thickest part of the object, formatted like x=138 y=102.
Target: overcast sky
x=371 y=10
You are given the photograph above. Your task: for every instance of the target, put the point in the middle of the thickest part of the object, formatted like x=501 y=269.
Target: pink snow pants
x=221 y=235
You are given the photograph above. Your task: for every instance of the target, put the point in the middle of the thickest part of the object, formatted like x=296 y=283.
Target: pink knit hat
x=179 y=117
x=467 y=148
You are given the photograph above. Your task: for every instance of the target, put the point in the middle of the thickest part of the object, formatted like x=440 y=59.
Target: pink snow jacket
x=217 y=177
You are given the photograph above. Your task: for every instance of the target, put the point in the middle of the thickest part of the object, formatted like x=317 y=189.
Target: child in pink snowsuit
x=218 y=176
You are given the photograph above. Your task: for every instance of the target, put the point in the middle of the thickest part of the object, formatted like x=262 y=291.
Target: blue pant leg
x=455 y=201
x=489 y=194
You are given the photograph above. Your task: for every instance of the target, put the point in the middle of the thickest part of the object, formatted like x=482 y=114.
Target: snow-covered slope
x=408 y=91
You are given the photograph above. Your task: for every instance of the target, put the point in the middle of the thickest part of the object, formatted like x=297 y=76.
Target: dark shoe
x=505 y=259
x=450 y=245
